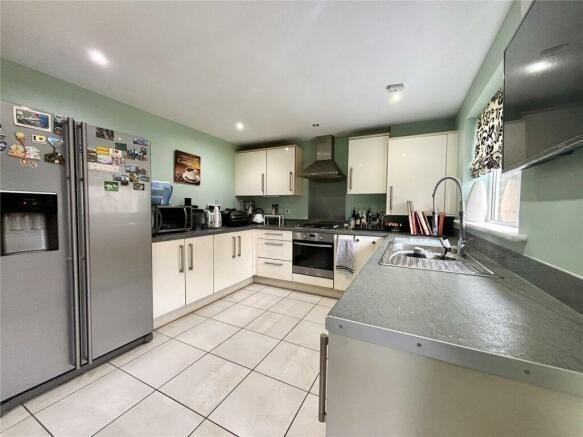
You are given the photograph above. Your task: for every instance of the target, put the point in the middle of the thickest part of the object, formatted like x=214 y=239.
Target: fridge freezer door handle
x=81 y=143
x=71 y=196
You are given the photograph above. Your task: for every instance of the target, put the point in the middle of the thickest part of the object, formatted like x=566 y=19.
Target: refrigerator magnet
x=3 y=146
x=134 y=177
x=110 y=186
x=102 y=150
x=56 y=141
x=138 y=186
x=59 y=125
x=106 y=134
x=123 y=179
x=144 y=178
x=41 y=139
x=27 y=117
x=141 y=142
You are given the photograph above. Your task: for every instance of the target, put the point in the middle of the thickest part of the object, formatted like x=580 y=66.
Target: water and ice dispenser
x=29 y=222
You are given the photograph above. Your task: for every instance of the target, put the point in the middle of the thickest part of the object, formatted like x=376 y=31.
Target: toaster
x=232 y=217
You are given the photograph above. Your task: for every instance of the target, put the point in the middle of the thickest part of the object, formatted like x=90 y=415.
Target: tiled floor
x=246 y=365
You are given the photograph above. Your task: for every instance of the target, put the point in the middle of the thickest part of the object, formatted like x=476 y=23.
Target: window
x=504 y=198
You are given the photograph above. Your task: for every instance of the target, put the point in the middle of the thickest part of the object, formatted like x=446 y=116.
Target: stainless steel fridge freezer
x=75 y=264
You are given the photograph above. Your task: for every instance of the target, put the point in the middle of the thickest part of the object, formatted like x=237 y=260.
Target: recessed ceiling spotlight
x=98 y=57
x=316 y=125
x=240 y=126
x=395 y=91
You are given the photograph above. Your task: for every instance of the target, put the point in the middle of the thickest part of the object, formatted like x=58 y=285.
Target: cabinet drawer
x=274 y=234
x=274 y=249
x=274 y=268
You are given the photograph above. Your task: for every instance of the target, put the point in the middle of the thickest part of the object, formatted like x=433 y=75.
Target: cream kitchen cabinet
x=233 y=258
x=283 y=166
x=250 y=173
x=367 y=165
x=269 y=172
x=182 y=272
x=414 y=166
x=198 y=268
x=168 y=277
x=364 y=248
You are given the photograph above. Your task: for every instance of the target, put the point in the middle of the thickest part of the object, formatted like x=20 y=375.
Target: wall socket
x=286 y=211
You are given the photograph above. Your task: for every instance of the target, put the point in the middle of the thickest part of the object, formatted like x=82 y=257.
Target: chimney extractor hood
x=324 y=168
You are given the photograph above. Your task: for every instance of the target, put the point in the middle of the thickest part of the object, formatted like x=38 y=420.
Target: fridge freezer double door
x=85 y=288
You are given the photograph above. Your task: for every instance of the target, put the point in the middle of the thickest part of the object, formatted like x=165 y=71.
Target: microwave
x=171 y=219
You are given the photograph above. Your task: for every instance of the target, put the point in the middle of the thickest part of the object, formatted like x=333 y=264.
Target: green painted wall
x=22 y=85
x=551 y=203
x=298 y=205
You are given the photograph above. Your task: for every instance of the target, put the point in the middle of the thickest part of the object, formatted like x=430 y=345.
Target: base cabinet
x=233 y=258
x=168 y=277
x=364 y=248
x=199 y=268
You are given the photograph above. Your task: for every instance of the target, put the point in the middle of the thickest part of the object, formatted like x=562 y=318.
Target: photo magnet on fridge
x=110 y=186
x=59 y=125
x=55 y=141
x=144 y=178
x=106 y=134
x=122 y=179
x=3 y=146
x=41 y=139
x=138 y=186
x=27 y=117
x=141 y=142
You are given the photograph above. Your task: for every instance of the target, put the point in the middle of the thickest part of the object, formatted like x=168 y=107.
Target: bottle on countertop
x=353 y=219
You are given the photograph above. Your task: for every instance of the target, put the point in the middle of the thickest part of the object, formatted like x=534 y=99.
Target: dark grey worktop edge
x=542 y=375
x=226 y=230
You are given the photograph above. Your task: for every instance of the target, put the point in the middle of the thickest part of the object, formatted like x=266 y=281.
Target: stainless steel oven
x=313 y=254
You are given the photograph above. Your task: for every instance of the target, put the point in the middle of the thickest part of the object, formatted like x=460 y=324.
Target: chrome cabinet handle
x=323 y=375
x=273 y=264
x=239 y=238
x=391 y=198
x=291 y=178
x=190 y=256
x=350 y=178
x=181 y=258
x=313 y=245
x=273 y=233
x=234 y=247
x=262 y=183
x=273 y=244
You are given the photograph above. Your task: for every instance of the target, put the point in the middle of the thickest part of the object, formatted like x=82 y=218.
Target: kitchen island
x=415 y=352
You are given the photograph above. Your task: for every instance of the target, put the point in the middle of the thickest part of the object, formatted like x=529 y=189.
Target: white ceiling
x=276 y=66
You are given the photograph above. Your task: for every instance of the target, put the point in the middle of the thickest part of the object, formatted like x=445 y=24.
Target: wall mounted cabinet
x=367 y=165
x=269 y=172
x=414 y=166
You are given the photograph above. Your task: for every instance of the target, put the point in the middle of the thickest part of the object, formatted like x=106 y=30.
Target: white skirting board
x=298 y=286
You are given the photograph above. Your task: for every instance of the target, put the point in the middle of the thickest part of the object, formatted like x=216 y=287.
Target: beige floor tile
x=306 y=334
x=206 y=383
x=273 y=324
x=306 y=422
x=316 y=386
x=328 y=302
x=91 y=408
x=317 y=314
x=50 y=397
x=292 y=308
x=254 y=287
x=177 y=327
x=246 y=348
x=125 y=358
x=157 y=415
x=163 y=363
x=238 y=315
x=208 y=335
x=238 y=296
x=214 y=308
x=244 y=411
x=261 y=300
x=26 y=428
x=293 y=364
x=209 y=429
x=305 y=297
x=12 y=417
x=276 y=291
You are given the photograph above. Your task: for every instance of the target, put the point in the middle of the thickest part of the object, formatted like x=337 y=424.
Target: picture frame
x=187 y=168
x=32 y=119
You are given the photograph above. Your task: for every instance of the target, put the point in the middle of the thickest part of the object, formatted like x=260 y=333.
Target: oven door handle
x=313 y=244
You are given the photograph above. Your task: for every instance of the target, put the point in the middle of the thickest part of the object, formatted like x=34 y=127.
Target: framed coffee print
x=186 y=168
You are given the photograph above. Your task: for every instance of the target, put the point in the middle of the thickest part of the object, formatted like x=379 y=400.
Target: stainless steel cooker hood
x=324 y=168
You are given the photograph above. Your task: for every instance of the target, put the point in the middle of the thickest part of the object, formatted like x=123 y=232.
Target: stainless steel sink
x=426 y=254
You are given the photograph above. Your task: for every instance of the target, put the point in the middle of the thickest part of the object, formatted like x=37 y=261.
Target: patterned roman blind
x=488 y=152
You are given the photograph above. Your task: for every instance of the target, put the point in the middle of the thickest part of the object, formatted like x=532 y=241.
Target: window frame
x=494 y=180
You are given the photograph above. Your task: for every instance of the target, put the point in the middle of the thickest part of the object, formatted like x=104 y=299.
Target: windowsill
x=500 y=231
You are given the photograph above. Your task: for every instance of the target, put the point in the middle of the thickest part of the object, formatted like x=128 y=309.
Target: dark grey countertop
x=505 y=325
x=291 y=227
